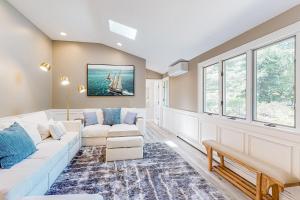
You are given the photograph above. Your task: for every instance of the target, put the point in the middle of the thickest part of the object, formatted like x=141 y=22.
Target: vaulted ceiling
x=167 y=30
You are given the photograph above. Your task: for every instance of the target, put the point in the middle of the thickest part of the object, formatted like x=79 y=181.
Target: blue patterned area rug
x=162 y=174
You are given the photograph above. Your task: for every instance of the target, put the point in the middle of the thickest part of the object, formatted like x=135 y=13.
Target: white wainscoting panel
x=232 y=138
x=277 y=154
x=275 y=146
x=208 y=131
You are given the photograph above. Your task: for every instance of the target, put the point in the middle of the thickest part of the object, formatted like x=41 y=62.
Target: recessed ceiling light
x=63 y=34
x=122 y=29
x=119 y=44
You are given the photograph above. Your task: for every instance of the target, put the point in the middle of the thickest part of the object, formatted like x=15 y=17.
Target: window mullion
x=249 y=87
x=221 y=105
x=297 y=82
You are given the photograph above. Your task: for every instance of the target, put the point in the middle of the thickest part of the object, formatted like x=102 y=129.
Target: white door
x=156 y=103
x=153 y=100
x=150 y=100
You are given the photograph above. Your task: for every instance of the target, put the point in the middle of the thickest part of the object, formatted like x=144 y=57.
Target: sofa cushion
x=123 y=142
x=95 y=131
x=49 y=148
x=123 y=130
x=30 y=122
x=71 y=138
x=22 y=178
x=15 y=146
x=7 y=122
x=100 y=117
x=112 y=116
x=31 y=129
x=124 y=112
x=90 y=118
x=130 y=118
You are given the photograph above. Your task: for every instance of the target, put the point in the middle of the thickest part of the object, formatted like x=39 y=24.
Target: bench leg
x=258 y=186
x=209 y=157
x=221 y=160
x=275 y=192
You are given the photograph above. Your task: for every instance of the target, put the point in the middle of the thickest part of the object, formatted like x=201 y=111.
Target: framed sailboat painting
x=110 y=80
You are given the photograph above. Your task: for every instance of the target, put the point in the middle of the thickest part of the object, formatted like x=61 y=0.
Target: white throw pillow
x=62 y=127
x=100 y=117
x=31 y=129
x=44 y=131
x=56 y=129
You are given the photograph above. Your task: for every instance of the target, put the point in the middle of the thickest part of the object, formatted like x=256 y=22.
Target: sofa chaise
x=35 y=174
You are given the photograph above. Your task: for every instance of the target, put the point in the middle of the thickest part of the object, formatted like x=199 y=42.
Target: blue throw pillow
x=111 y=116
x=130 y=118
x=90 y=118
x=15 y=146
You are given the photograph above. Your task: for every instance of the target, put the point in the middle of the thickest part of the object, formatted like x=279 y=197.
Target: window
x=211 y=89
x=274 y=89
x=234 y=86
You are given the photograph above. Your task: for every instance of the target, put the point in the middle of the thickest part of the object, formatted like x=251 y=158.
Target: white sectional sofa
x=35 y=174
x=98 y=134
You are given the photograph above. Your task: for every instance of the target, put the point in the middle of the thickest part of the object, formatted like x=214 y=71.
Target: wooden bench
x=267 y=176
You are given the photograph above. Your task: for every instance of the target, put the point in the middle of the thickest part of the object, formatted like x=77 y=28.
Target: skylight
x=122 y=29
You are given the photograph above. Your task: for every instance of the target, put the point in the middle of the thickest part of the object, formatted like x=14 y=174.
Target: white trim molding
x=277 y=147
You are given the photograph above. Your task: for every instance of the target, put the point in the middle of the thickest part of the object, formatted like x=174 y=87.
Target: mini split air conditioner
x=178 y=68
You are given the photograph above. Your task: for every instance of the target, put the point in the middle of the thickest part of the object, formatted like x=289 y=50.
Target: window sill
x=252 y=124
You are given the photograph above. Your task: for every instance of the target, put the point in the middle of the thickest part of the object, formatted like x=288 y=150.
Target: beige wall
x=186 y=99
x=153 y=75
x=24 y=87
x=71 y=58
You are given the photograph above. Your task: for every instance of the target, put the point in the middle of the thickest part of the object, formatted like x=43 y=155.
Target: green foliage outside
x=211 y=87
x=274 y=80
x=235 y=79
x=275 y=91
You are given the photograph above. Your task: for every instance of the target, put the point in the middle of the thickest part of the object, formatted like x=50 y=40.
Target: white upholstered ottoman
x=124 y=148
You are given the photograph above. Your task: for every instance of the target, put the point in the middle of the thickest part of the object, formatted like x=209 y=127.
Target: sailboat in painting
x=115 y=86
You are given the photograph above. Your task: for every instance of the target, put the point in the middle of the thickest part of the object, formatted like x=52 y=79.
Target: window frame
x=254 y=82
x=223 y=74
x=203 y=93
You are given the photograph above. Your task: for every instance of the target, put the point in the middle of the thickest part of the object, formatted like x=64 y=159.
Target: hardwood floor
x=193 y=156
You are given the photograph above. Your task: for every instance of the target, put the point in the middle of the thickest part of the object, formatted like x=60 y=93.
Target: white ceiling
x=167 y=29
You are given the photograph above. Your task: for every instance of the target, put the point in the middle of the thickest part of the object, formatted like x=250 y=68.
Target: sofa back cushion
x=90 y=118
x=111 y=116
x=140 y=113
x=130 y=118
x=7 y=122
x=30 y=123
x=100 y=117
x=15 y=146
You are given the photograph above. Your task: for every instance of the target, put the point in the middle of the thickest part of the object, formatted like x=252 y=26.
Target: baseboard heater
x=184 y=140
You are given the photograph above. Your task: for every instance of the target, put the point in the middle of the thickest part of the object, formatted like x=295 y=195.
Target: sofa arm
x=140 y=123
x=73 y=126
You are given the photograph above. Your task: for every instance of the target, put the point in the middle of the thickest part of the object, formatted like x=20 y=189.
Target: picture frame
x=110 y=80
